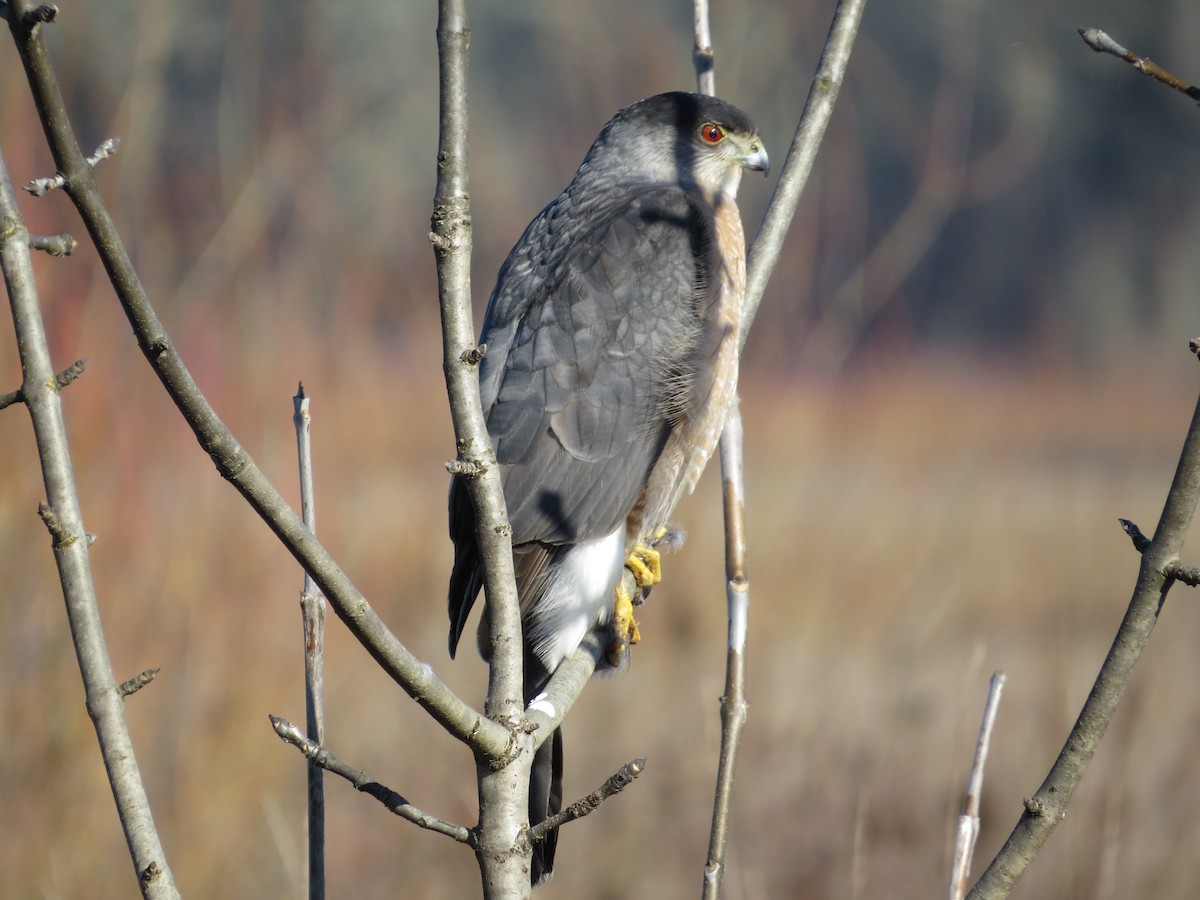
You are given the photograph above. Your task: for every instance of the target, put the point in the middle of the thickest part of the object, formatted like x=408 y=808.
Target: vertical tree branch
x=968 y=822
x=312 y=615
x=702 y=49
x=764 y=254
x=502 y=849
x=737 y=593
x=737 y=584
x=105 y=703
x=1047 y=807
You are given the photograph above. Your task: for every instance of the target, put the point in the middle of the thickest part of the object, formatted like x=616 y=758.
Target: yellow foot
x=625 y=627
x=645 y=563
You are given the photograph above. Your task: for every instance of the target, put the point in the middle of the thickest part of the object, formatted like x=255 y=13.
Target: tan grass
x=911 y=530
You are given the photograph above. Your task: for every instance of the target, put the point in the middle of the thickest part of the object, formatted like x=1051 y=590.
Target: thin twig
x=65 y=522
x=485 y=738
x=363 y=782
x=1047 y=807
x=616 y=783
x=1102 y=43
x=11 y=398
x=40 y=186
x=312 y=615
x=968 y=822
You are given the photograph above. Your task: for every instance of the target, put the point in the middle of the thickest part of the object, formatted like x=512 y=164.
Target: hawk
x=612 y=358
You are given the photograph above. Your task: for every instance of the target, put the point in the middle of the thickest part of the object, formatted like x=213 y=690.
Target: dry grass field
x=913 y=525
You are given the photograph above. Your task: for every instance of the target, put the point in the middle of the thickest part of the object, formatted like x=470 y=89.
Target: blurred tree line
x=989 y=186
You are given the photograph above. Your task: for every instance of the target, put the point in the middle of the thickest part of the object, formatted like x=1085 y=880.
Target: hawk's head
x=691 y=139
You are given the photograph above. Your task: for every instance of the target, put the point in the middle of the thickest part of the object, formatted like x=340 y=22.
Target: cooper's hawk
x=612 y=357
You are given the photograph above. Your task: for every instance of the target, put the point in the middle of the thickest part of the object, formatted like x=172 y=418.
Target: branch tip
x=1141 y=543
x=70 y=373
x=465 y=468
x=474 y=356
x=135 y=684
x=55 y=244
x=620 y=780
x=40 y=186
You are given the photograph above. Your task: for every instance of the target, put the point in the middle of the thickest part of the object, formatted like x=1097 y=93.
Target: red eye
x=712 y=133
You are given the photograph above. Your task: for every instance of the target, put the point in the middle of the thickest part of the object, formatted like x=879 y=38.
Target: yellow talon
x=646 y=565
x=625 y=627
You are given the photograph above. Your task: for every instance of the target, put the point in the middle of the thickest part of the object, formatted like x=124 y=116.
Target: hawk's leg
x=645 y=565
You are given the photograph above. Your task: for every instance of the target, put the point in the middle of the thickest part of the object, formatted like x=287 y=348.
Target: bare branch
x=40 y=186
x=968 y=822
x=620 y=780
x=451 y=226
x=1102 y=43
x=11 y=398
x=312 y=615
x=393 y=801
x=702 y=49
x=63 y=518
x=503 y=789
x=737 y=594
x=1047 y=807
x=232 y=461
x=135 y=684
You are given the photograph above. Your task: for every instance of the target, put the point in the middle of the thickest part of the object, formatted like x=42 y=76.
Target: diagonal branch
x=318 y=756
x=1047 y=807
x=617 y=782
x=486 y=738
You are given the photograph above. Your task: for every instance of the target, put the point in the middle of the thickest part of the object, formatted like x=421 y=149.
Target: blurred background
x=971 y=360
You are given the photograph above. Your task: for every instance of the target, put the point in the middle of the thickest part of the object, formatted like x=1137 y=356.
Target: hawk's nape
x=612 y=360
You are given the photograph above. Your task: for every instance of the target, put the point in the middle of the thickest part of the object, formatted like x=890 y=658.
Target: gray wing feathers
x=588 y=331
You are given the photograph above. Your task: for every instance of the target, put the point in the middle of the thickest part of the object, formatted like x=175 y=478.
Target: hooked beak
x=757 y=160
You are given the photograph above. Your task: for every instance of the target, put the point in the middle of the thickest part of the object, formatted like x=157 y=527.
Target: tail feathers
x=545 y=800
